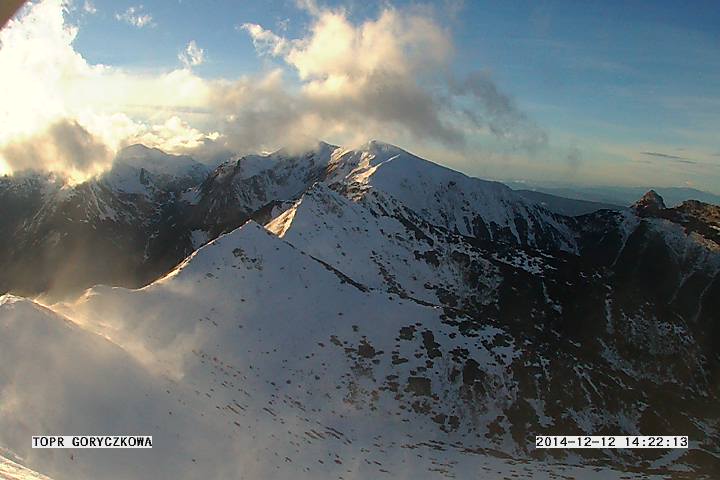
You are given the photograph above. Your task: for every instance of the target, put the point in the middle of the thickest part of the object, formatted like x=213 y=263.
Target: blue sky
x=593 y=68
x=622 y=92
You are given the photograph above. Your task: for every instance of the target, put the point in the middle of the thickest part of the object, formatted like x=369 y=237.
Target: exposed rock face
x=650 y=204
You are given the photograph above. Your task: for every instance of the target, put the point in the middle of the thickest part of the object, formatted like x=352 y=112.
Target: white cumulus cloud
x=89 y=7
x=388 y=76
x=192 y=55
x=53 y=89
x=137 y=17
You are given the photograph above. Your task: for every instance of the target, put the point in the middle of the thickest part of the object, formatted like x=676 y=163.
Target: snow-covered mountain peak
x=220 y=250
x=320 y=148
x=441 y=196
x=283 y=160
x=154 y=160
x=380 y=148
x=138 y=150
x=9 y=299
x=142 y=170
x=360 y=159
x=318 y=202
x=447 y=198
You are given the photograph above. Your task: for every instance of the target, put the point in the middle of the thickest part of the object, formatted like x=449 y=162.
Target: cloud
x=89 y=7
x=48 y=82
x=498 y=112
x=668 y=156
x=136 y=17
x=174 y=135
x=265 y=41
x=395 y=43
x=192 y=55
x=309 y=6
x=386 y=77
x=574 y=157
x=65 y=146
x=283 y=24
x=68 y=147
x=365 y=77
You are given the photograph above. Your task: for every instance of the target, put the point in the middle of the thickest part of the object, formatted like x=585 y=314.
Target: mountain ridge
x=451 y=309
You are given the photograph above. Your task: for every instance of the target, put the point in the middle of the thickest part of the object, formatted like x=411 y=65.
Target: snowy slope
x=228 y=300
x=563 y=310
x=10 y=470
x=444 y=197
x=394 y=318
x=57 y=378
x=387 y=248
x=317 y=376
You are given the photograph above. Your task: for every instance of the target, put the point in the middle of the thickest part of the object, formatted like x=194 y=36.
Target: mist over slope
x=382 y=315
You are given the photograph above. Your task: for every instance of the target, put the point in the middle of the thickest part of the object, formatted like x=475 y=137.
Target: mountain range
x=612 y=195
x=351 y=312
